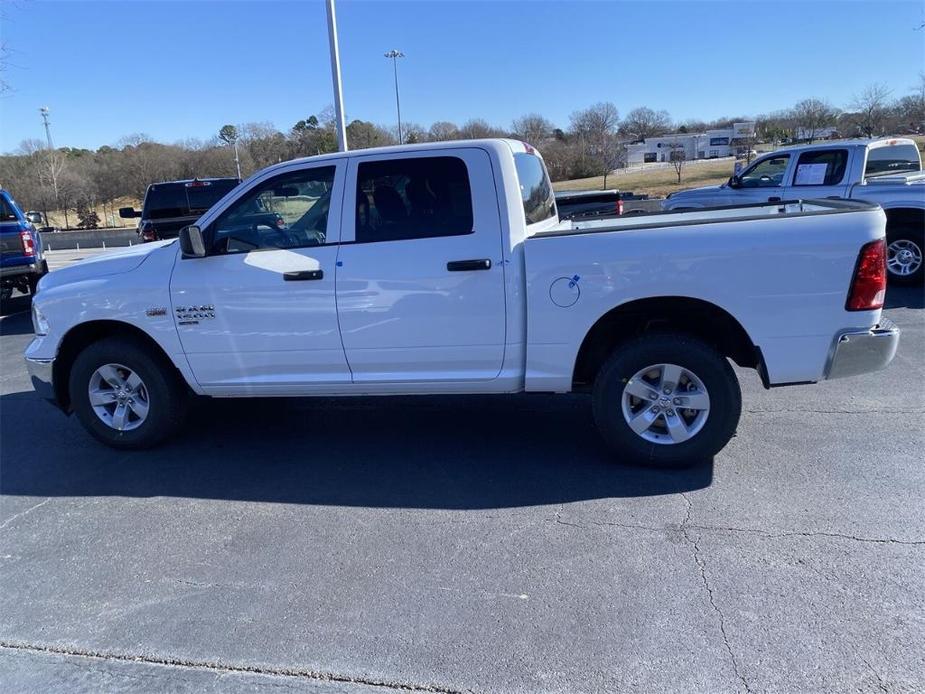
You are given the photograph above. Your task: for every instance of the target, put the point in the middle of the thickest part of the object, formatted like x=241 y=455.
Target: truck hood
x=104 y=264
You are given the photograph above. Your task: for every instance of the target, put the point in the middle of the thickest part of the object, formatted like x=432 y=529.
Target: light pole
x=44 y=112
x=335 y=77
x=395 y=55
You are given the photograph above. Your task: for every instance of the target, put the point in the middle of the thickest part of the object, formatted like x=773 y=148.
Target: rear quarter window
x=536 y=192
x=892 y=159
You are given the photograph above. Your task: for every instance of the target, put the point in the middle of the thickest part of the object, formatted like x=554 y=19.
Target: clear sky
x=178 y=70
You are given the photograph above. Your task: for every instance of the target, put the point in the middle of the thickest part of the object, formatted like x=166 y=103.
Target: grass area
x=657 y=182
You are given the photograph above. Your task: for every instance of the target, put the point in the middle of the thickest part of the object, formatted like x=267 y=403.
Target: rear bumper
x=861 y=351
x=35 y=268
x=40 y=373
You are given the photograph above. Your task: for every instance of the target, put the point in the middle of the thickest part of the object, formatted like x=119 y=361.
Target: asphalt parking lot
x=461 y=544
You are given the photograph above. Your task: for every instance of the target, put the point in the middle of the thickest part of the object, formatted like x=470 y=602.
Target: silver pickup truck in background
x=887 y=172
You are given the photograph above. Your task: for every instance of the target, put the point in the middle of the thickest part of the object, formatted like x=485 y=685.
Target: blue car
x=21 y=257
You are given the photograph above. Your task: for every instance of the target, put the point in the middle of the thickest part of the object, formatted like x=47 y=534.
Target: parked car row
x=887 y=172
x=445 y=268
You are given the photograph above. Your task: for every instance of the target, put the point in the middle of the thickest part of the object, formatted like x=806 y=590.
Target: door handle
x=303 y=275
x=467 y=265
x=775 y=198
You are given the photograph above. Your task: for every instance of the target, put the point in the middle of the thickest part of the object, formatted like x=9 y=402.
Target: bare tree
x=477 y=128
x=871 y=109
x=811 y=116
x=532 y=128
x=443 y=130
x=677 y=156
x=596 y=122
x=643 y=122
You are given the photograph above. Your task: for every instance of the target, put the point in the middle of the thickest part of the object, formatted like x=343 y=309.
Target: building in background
x=712 y=144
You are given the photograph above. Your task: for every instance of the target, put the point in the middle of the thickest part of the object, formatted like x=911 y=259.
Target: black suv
x=170 y=206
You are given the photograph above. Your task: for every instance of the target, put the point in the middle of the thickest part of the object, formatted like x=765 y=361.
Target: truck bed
x=781 y=270
x=731 y=213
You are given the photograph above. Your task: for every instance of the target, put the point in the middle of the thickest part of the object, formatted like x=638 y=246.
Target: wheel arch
x=696 y=317
x=84 y=334
x=902 y=216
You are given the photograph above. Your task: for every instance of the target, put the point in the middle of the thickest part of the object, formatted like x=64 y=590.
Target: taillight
x=868 y=286
x=619 y=207
x=28 y=243
x=147 y=232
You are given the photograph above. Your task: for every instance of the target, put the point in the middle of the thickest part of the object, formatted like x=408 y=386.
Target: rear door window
x=414 y=198
x=825 y=167
x=535 y=188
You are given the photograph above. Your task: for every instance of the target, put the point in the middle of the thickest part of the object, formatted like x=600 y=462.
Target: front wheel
x=124 y=395
x=904 y=256
x=666 y=401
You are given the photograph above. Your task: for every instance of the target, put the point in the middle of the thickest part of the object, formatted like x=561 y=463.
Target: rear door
x=819 y=173
x=420 y=277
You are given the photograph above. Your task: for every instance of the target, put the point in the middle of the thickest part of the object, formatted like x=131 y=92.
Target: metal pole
x=395 y=55
x=237 y=163
x=401 y=140
x=44 y=112
x=335 y=76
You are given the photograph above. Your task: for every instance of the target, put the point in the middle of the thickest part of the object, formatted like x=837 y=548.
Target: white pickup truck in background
x=443 y=268
x=887 y=172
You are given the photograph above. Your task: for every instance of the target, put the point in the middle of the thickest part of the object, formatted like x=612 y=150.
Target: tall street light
x=395 y=55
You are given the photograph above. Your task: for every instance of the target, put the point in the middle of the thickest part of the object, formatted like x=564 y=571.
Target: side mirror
x=128 y=213
x=733 y=182
x=191 y=243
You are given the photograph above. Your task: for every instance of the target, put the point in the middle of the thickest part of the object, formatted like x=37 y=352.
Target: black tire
x=711 y=367
x=909 y=235
x=168 y=397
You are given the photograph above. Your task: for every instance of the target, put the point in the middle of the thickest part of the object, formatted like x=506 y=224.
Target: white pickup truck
x=443 y=268
x=887 y=172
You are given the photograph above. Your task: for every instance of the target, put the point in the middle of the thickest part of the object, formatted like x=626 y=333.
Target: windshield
x=891 y=159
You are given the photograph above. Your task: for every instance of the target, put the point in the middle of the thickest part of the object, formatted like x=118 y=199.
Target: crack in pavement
x=730 y=529
x=23 y=513
x=815 y=533
x=172 y=661
x=701 y=565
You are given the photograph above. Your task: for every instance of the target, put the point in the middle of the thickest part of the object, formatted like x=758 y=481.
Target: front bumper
x=40 y=372
x=861 y=351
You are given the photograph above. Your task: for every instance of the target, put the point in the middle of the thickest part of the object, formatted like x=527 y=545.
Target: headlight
x=39 y=322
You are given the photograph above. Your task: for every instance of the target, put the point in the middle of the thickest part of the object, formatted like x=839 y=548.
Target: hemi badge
x=155 y=312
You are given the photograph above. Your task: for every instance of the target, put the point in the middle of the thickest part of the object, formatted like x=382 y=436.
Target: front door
x=420 y=279
x=763 y=181
x=258 y=314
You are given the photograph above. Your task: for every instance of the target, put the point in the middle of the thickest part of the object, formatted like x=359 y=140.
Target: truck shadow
x=411 y=452
x=904 y=297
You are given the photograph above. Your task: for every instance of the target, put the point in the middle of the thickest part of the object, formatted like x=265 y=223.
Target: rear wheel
x=125 y=396
x=904 y=260
x=666 y=401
